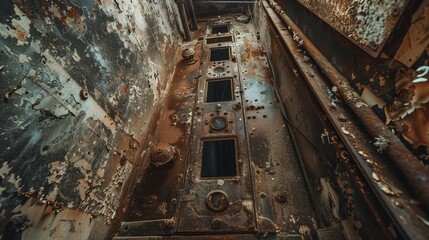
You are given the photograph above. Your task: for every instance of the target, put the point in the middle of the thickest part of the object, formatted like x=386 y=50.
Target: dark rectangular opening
x=219 y=39
x=219 y=90
x=219 y=54
x=220 y=29
x=219 y=158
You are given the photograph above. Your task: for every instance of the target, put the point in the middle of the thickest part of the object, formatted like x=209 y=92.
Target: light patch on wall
x=15 y=179
x=70 y=88
x=153 y=78
x=4 y=170
x=166 y=14
x=57 y=170
x=20 y=27
x=4 y=173
x=84 y=168
x=49 y=224
x=54 y=10
x=95 y=50
x=113 y=193
x=130 y=21
x=24 y=58
x=367 y=27
x=372 y=99
x=76 y=56
x=129 y=15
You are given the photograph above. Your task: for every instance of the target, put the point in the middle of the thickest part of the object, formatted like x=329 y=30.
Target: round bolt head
x=218 y=123
x=162 y=154
x=216 y=223
x=84 y=94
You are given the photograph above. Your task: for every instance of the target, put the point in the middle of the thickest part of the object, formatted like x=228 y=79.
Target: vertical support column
x=193 y=16
x=184 y=19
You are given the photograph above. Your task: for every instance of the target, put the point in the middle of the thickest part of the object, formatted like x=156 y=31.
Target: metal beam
x=184 y=19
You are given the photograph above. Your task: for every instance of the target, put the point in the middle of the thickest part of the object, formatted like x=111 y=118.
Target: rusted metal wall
x=302 y=119
x=366 y=71
x=366 y=23
x=81 y=81
x=380 y=77
x=333 y=180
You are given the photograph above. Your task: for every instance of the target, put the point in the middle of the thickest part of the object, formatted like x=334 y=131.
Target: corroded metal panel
x=217 y=204
x=351 y=147
x=366 y=23
x=81 y=82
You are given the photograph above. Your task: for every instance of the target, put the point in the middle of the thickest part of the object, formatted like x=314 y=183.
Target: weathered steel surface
x=380 y=175
x=367 y=23
x=194 y=214
x=408 y=164
x=417 y=38
x=333 y=192
x=282 y=200
x=154 y=206
x=80 y=82
x=360 y=68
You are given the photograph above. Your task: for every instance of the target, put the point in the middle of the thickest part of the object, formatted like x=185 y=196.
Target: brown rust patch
x=21 y=33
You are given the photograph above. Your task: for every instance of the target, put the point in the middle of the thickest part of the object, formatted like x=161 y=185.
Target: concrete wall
x=82 y=81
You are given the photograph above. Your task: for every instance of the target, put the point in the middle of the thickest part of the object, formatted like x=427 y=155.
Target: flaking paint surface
x=80 y=83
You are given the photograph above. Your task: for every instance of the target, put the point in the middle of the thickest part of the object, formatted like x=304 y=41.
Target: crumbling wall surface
x=80 y=82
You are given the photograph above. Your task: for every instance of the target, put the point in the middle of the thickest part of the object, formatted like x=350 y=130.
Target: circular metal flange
x=218 y=123
x=217 y=201
x=162 y=154
x=188 y=56
x=84 y=94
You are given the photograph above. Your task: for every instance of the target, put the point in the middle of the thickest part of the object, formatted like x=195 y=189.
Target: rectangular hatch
x=220 y=29
x=219 y=90
x=219 y=158
x=219 y=54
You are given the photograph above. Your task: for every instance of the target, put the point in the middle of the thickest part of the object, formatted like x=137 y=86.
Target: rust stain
x=68 y=16
x=21 y=34
x=72 y=12
x=19 y=29
x=125 y=89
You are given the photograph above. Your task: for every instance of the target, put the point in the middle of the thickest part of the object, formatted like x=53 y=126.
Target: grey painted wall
x=81 y=81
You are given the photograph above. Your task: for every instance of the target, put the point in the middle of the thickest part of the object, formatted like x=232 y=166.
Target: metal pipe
x=184 y=19
x=193 y=16
x=416 y=175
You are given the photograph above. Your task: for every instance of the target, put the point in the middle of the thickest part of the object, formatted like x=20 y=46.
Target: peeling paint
x=409 y=109
x=72 y=89
x=76 y=56
x=19 y=29
x=367 y=23
x=76 y=95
